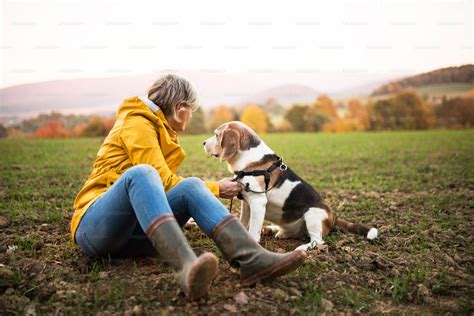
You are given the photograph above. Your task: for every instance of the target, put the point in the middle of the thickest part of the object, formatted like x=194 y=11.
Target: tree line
x=405 y=110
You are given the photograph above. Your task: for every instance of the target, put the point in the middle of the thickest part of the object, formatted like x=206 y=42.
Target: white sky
x=46 y=40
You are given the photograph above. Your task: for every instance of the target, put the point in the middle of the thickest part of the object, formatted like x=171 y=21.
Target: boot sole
x=278 y=269
x=200 y=276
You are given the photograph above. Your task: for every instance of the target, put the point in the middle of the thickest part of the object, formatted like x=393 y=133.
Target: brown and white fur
x=293 y=207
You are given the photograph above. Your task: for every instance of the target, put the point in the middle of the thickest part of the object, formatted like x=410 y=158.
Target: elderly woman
x=134 y=203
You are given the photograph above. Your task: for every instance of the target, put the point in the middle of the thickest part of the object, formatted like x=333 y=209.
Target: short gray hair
x=169 y=90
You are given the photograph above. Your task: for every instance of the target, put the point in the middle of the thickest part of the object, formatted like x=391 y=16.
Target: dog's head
x=230 y=139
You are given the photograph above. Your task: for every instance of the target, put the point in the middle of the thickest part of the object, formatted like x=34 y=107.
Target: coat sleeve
x=140 y=141
x=213 y=187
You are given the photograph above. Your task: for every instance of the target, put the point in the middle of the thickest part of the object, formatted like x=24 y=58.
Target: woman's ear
x=179 y=108
x=179 y=111
x=230 y=143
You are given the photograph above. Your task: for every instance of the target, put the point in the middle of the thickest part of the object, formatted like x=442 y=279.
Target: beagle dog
x=273 y=192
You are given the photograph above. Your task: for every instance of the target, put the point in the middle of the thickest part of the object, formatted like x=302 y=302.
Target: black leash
x=258 y=173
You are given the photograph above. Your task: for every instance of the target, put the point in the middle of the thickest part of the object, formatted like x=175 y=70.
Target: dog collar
x=258 y=173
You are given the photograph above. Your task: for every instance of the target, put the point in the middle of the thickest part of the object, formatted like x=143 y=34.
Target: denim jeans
x=116 y=222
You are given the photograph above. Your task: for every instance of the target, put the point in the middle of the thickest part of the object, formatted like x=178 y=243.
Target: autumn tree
x=456 y=113
x=52 y=129
x=342 y=125
x=315 y=120
x=358 y=112
x=296 y=117
x=197 y=123
x=95 y=127
x=256 y=118
x=221 y=115
x=412 y=112
x=406 y=110
x=325 y=105
x=108 y=124
x=381 y=115
x=3 y=131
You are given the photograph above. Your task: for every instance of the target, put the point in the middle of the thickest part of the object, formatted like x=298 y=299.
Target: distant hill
x=435 y=81
x=95 y=95
x=273 y=89
x=102 y=96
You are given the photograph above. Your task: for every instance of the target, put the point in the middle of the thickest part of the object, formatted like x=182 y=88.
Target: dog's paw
x=308 y=246
x=281 y=235
x=269 y=230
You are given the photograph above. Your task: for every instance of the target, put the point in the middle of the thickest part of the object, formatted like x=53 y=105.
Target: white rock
x=241 y=298
x=372 y=234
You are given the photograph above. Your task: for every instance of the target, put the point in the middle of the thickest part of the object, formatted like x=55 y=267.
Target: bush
x=3 y=131
x=456 y=113
x=256 y=118
x=52 y=129
x=406 y=110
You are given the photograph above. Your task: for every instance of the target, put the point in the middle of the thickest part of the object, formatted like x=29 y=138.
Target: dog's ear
x=230 y=143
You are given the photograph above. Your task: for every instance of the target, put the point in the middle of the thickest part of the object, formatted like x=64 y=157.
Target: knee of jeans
x=141 y=170
x=192 y=183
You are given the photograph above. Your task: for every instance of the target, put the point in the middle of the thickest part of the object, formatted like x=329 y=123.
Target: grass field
x=416 y=187
x=447 y=88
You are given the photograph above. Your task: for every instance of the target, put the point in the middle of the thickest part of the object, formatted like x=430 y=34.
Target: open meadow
x=417 y=188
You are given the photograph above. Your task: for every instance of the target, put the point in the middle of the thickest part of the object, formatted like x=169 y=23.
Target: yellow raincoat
x=139 y=136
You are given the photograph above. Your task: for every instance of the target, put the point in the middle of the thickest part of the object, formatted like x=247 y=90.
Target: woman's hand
x=228 y=189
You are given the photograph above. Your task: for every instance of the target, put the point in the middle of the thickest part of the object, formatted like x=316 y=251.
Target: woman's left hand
x=228 y=189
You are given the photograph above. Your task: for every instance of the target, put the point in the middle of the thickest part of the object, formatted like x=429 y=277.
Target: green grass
x=43 y=176
x=416 y=187
x=447 y=88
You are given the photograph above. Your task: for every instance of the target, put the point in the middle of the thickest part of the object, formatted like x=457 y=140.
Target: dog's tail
x=346 y=226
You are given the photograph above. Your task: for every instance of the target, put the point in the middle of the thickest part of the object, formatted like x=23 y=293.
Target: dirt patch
x=419 y=263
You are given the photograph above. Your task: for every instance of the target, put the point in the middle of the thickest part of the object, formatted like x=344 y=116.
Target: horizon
x=397 y=74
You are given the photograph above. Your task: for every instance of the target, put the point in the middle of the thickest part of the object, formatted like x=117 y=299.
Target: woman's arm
x=213 y=187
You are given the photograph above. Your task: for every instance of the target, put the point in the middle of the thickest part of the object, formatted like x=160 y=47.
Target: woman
x=134 y=203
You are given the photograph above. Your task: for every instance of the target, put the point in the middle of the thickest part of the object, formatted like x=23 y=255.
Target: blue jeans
x=116 y=222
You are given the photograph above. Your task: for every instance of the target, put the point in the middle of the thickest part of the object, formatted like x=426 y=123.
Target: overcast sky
x=46 y=40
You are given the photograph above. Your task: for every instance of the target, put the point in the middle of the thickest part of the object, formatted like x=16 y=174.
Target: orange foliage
x=96 y=126
x=220 y=115
x=108 y=123
x=77 y=130
x=343 y=125
x=325 y=105
x=256 y=118
x=52 y=129
x=355 y=110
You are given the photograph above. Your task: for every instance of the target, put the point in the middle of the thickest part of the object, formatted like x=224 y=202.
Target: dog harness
x=259 y=173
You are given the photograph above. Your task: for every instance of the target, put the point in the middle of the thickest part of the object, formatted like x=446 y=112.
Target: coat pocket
x=112 y=177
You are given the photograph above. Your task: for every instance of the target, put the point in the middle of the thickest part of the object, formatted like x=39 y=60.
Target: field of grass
x=447 y=89
x=416 y=187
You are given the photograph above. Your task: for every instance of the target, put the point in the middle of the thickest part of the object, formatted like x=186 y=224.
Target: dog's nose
x=204 y=143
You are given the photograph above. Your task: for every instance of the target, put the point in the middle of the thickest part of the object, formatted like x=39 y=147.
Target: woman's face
x=183 y=115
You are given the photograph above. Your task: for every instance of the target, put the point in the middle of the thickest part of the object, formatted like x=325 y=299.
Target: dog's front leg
x=257 y=204
x=245 y=214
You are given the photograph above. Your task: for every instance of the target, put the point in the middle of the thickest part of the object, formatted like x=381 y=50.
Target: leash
x=257 y=173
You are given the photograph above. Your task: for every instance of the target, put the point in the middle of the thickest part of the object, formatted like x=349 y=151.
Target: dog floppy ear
x=230 y=143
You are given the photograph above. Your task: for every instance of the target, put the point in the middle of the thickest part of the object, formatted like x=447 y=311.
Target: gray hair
x=170 y=90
